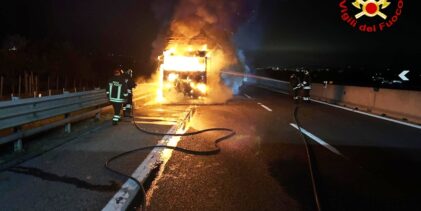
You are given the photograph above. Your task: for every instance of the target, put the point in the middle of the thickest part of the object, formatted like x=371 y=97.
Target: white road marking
x=248 y=96
x=371 y=115
x=265 y=107
x=355 y=111
x=318 y=140
x=128 y=191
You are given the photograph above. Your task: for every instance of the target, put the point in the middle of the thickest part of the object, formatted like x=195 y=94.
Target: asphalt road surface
x=72 y=176
x=362 y=163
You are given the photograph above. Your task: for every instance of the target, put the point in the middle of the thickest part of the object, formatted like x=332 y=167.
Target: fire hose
x=310 y=160
x=230 y=133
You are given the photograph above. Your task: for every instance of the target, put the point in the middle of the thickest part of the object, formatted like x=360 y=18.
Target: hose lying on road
x=310 y=160
x=215 y=151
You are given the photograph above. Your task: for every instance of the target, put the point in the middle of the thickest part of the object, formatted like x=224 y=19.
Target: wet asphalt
x=72 y=176
x=264 y=167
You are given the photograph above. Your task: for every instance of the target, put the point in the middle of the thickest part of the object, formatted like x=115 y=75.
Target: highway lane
x=378 y=165
x=364 y=162
x=245 y=175
x=264 y=167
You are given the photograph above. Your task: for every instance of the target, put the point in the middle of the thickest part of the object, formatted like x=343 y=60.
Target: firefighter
x=130 y=84
x=296 y=85
x=117 y=93
x=306 y=86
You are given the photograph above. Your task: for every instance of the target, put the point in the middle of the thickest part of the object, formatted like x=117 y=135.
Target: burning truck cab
x=184 y=70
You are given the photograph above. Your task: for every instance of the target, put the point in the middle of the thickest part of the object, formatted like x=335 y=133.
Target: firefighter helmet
x=129 y=72
x=117 y=71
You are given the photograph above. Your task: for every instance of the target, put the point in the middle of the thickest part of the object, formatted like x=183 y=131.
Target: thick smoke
x=216 y=22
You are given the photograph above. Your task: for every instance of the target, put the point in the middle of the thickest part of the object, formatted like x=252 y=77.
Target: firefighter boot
x=116 y=118
x=296 y=99
x=124 y=111
x=128 y=111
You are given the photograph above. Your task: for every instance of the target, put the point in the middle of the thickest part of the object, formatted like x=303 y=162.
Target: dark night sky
x=288 y=31
x=123 y=27
x=315 y=28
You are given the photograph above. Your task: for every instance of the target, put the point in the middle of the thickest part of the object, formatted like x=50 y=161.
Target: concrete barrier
x=350 y=96
x=399 y=104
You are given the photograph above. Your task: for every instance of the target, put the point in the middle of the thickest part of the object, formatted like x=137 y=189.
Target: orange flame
x=181 y=58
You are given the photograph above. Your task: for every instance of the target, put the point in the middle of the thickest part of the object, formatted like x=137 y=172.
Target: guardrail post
x=68 y=126
x=17 y=145
x=98 y=115
x=20 y=85
x=1 y=85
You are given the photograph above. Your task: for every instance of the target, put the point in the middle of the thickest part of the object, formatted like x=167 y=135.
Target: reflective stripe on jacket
x=117 y=90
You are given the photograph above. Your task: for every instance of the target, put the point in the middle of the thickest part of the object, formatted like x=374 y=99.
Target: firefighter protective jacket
x=129 y=83
x=307 y=81
x=294 y=82
x=117 y=89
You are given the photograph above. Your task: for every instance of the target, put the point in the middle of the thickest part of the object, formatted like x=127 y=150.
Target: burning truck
x=197 y=45
x=183 y=69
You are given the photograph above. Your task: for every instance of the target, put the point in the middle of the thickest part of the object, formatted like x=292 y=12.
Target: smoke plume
x=213 y=22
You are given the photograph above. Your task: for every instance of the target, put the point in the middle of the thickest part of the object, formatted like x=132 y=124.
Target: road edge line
x=353 y=110
x=369 y=114
x=128 y=191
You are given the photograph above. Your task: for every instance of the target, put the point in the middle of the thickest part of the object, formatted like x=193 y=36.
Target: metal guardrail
x=14 y=114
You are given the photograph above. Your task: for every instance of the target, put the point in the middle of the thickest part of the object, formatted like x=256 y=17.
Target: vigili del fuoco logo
x=371 y=15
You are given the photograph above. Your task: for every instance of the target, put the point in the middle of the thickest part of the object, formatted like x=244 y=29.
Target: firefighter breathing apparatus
x=229 y=133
